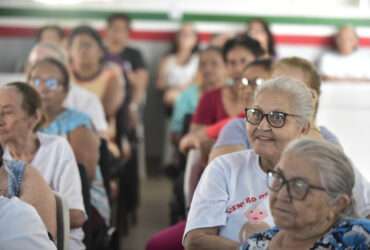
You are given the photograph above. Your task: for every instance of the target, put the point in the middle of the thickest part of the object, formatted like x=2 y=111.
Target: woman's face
x=212 y=68
x=236 y=61
x=268 y=142
x=187 y=37
x=47 y=79
x=85 y=51
x=14 y=121
x=257 y=32
x=293 y=214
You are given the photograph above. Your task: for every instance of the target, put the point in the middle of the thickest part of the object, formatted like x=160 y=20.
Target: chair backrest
x=62 y=223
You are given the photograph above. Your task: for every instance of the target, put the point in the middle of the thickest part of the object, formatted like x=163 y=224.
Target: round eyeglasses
x=298 y=188
x=276 y=119
x=50 y=83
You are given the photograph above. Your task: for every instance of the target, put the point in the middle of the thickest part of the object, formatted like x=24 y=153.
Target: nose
x=264 y=125
x=283 y=194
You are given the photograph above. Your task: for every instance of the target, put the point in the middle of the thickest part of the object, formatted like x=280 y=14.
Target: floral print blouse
x=347 y=234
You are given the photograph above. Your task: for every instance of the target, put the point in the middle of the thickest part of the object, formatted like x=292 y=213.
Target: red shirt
x=210 y=108
x=213 y=130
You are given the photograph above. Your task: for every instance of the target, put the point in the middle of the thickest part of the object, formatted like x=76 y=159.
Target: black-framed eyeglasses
x=298 y=187
x=251 y=82
x=276 y=119
x=50 y=83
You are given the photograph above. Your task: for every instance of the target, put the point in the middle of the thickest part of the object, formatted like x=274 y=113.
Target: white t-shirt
x=57 y=164
x=21 y=227
x=352 y=65
x=86 y=102
x=231 y=187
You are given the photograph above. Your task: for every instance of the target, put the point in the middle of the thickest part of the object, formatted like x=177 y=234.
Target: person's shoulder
x=212 y=93
x=237 y=160
x=14 y=207
x=49 y=141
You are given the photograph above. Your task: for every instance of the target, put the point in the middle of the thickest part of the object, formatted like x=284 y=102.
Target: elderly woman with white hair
x=232 y=196
x=311 y=201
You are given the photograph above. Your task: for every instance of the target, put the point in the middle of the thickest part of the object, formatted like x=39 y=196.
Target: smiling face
x=292 y=214
x=269 y=142
x=14 y=120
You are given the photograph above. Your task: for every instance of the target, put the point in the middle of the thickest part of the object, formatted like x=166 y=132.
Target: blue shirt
x=185 y=104
x=66 y=122
x=346 y=234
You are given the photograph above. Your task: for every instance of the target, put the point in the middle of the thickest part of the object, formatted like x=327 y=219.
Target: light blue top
x=185 y=104
x=15 y=170
x=66 y=122
x=235 y=133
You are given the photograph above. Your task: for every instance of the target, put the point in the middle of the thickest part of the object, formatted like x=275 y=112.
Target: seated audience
x=73 y=125
x=21 y=227
x=259 y=30
x=233 y=136
x=232 y=189
x=255 y=73
x=51 y=155
x=77 y=98
x=50 y=79
x=178 y=69
x=346 y=61
x=311 y=201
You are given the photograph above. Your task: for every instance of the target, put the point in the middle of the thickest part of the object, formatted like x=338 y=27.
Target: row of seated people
x=66 y=114
x=233 y=136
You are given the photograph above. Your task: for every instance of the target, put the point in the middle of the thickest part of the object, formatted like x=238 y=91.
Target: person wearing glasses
x=311 y=201
x=234 y=183
x=233 y=137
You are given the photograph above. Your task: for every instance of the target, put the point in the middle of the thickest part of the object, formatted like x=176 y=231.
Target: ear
x=340 y=204
x=38 y=118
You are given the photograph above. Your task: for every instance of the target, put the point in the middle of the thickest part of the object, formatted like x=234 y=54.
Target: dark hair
x=175 y=46
x=56 y=28
x=119 y=16
x=245 y=42
x=271 y=42
x=266 y=64
x=61 y=67
x=86 y=30
x=31 y=100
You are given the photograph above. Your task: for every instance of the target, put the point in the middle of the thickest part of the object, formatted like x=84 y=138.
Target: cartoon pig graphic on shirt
x=255 y=222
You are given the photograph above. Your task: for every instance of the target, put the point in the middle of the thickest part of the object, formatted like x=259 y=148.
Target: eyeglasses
x=251 y=82
x=275 y=118
x=298 y=188
x=50 y=83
